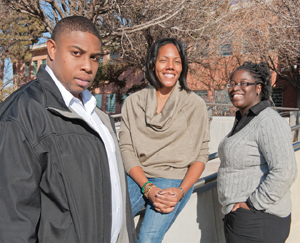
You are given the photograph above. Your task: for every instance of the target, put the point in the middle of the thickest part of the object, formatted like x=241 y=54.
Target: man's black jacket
x=54 y=173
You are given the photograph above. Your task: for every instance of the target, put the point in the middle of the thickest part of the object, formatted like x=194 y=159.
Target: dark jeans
x=243 y=226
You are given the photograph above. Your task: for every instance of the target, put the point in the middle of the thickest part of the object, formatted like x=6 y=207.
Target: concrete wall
x=201 y=219
x=295 y=227
x=199 y=222
x=220 y=126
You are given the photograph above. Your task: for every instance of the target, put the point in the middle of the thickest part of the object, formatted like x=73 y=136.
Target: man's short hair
x=74 y=23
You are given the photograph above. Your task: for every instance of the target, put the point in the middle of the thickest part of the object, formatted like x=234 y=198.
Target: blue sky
x=8 y=74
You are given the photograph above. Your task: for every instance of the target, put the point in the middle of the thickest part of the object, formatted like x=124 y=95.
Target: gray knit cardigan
x=258 y=163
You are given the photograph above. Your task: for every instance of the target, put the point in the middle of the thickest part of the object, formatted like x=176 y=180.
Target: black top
x=241 y=121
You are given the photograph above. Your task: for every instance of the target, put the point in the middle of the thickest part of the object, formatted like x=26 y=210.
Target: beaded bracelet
x=182 y=192
x=149 y=187
x=143 y=188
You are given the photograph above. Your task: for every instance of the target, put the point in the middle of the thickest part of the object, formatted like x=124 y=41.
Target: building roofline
x=39 y=46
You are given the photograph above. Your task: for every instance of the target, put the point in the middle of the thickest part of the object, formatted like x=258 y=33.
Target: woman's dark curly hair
x=151 y=59
x=261 y=74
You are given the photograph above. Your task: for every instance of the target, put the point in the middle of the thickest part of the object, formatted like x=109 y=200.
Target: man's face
x=74 y=60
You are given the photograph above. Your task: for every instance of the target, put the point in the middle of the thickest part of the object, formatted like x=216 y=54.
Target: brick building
x=26 y=71
x=284 y=95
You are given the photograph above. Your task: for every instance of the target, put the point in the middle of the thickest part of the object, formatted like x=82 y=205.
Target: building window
x=226 y=49
x=124 y=96
x=277 y=96
x=99 y=100
x=205 y=49
x=202 y=94
x=246 y=47
x=250 y=37
x=44 y=61
x=26 y=69
x=34 y=68
x=272 y=42
x=222 y=98
x=113 y=56
x=111 y=103
x=225 y=44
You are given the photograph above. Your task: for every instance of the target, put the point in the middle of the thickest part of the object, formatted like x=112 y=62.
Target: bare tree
x=257 y=31
x=18 y=32
x=130 y=27
x=196 y=25
x=133 y=25
x=269 y=31
x=218 y=35
x=284 y=39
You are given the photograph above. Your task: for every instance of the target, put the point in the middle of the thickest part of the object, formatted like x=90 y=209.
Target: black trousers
x=245 y=226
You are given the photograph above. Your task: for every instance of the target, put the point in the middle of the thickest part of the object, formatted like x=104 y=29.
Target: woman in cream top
x=164 y=139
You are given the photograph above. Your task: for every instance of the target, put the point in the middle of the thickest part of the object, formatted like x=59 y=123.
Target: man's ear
x=51 y=49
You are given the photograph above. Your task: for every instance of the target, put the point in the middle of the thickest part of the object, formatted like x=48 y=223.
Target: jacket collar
x=53 y=96
x=56 y=103
x=54 y=100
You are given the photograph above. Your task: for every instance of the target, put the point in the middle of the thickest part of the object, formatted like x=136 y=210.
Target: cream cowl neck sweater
x=164 y=144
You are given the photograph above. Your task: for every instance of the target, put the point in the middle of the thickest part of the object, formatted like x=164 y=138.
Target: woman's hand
x=173 y=192
x=164 y=201
x=240 y=205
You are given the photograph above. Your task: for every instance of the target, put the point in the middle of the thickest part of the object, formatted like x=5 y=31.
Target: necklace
x=158 y=95
x=163 y=100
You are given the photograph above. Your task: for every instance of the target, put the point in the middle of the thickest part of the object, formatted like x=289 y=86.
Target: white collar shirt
x=86 y=109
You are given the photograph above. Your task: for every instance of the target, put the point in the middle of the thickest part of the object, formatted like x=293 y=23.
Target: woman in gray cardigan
x=164 y=140
x=258 y=163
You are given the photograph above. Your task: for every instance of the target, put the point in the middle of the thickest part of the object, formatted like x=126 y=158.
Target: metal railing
x=209 y=182
x=116 y=115
x=273 y=107
x=230 y=105
x=283 y=111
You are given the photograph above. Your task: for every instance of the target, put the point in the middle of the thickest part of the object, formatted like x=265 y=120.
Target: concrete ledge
x=295 y=227
x=200 y=220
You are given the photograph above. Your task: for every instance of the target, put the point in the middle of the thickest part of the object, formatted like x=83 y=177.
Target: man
x=62 y=177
